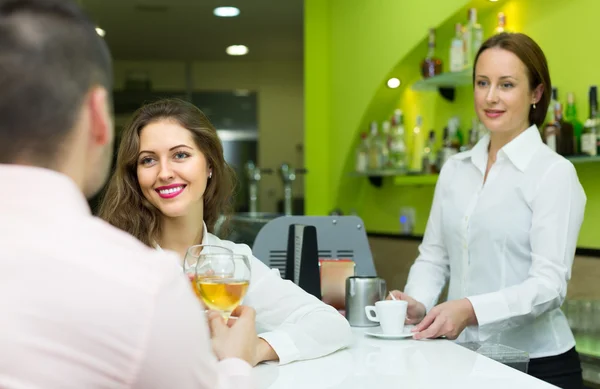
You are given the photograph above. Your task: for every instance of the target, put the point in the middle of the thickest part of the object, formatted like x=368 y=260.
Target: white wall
x=280 y=106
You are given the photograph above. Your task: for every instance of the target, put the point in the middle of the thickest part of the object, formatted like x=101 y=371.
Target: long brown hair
x=125 y=207
x=531 y=54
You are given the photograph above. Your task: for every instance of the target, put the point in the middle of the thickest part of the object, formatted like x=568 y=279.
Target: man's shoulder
x=122 y=256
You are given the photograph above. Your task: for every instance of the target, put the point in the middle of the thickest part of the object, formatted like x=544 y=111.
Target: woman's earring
x=533 y=105
x=210 y=175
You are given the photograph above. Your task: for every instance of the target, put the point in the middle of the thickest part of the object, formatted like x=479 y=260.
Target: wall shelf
x=416 y=179
x=444 y=80
x=583 y=159
x=400 y=177
x=445 y=83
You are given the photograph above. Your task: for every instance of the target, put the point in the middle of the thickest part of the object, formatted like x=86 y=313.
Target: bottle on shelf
x=385 y=144
x=558 y=134
x=449 y=147
x=473 y=136
x=473 y=36
x=551 y=106
x=566 y=144
x=589 y=136
x=430 y=155
x=501 y=26
x=456 y=136
x=362 y=154
x=398 y=151
x=457 y=50
x=550 y=133
x=431 y=65
x=416 y=163
x=375 y=148
x=571 y=117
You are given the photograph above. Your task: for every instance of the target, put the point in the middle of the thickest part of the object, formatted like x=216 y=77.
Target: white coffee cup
x=390 y=314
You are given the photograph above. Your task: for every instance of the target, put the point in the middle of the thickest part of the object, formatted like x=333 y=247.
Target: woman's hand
x=415 y=310
x=236 y=339
x=448 y=319
x=255 y=350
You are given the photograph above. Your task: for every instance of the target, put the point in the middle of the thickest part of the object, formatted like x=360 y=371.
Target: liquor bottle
x=501 y=27
x=456 y=136
x=551 y=106
x=457 y=50
x=473 y=36
x=571 y=117
x=362 y=154
x=550 y=133
x=450 y=145
x=429 y=155
x=385 y=144
x=375 y=148
x=416 y=164
x=473 y=136
x=566 y=134
x=431 y=65
x=590 y=127
x=398 y=151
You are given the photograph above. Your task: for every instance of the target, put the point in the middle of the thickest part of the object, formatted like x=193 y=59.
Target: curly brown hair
x=123 y=204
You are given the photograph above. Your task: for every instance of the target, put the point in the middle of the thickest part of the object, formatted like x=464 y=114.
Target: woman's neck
x=179 y=233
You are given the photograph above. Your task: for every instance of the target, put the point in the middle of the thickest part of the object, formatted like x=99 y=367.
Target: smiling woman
x=170 y=185
x=170 y=164
x=503 y=224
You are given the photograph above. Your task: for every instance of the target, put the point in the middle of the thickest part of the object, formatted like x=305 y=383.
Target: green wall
x=352 y=47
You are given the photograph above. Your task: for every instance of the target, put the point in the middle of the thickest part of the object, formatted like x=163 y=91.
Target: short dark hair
x=531 y=54
x=50 y=57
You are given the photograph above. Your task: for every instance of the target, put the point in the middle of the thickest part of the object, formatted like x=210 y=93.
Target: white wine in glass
x=222 y=281
x=190 y=261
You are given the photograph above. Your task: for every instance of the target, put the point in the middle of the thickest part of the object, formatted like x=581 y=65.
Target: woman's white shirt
x=507 y=244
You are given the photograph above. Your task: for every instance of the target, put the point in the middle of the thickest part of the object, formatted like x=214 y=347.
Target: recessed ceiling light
x=226 y=12
x=393 y=83
x=100 y=31
x=237 y=50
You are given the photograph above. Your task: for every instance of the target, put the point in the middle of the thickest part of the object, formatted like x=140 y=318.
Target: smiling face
x=503 y=96
x=171 y=169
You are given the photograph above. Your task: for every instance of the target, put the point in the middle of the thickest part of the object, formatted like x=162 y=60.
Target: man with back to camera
x=82 y=304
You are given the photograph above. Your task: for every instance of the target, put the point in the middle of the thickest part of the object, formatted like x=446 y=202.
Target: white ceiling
x=187 y=29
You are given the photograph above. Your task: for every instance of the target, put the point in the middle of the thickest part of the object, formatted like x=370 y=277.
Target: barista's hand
x=415 y=311
x=448 y=319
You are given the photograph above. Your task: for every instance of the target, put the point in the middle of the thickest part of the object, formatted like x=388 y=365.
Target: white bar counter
x=372 y=363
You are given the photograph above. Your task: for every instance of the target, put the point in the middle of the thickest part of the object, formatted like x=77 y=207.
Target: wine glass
x=190 y=261
x=222 y=280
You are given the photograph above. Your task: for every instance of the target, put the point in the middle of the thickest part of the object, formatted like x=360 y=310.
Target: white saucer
x=376 y=332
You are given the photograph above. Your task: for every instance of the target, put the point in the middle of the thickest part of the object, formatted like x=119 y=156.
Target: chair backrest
x=337 y=237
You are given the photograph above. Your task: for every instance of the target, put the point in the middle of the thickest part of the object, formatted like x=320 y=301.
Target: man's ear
x=101 y=123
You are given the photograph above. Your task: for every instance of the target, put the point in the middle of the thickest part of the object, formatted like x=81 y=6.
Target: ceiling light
x=393 y=83
x=100 y=31
x=226 y=12
x=237 y=50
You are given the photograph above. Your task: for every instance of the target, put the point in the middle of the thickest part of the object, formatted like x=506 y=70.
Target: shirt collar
x=519 y=151
x=40 y=190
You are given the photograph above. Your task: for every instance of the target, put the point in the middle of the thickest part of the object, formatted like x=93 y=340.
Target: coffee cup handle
x=371 y=313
